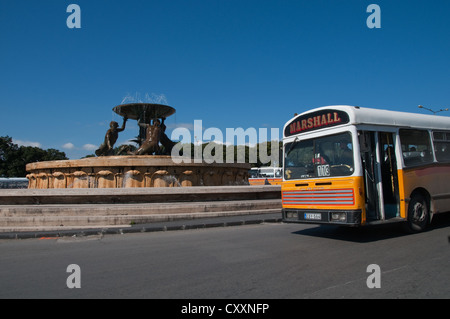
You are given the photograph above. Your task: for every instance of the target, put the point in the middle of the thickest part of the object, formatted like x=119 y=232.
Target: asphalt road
x=269 y=261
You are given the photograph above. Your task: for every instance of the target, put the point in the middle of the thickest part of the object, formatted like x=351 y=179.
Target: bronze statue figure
x=150 y=135
x=110 y=138
x=153 y=135
x=165 y=140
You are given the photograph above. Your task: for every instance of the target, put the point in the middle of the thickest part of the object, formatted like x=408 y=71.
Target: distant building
x=13 y=183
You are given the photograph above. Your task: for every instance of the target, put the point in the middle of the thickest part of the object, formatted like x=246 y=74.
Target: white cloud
x=89 y=147
x=27 y=143
x=68 y=146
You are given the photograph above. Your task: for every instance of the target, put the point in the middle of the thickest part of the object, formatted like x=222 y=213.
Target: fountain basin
x=144 y=111
x=133 y=171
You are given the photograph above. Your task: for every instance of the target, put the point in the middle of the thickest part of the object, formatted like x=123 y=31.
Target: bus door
x=380 y=175
x=389 y=178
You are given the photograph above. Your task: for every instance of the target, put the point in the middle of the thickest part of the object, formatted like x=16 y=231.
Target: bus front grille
x=319 y=197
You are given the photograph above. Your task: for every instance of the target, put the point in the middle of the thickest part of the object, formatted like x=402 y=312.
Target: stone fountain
x=140 y=186
x=151 y=165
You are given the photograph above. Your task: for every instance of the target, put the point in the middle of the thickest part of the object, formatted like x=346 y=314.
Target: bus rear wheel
x=418 y=214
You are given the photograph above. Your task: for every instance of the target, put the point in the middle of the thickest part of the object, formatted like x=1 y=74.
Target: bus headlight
x=338 y=217
x=292 y=215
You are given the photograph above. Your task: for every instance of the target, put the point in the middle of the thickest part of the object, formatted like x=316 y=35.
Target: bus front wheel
x=418 y=214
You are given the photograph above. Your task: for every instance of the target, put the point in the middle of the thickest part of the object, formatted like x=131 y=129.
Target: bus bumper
x=313 y=216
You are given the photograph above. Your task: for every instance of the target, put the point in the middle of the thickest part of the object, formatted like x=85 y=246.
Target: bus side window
x=416 y=146
x=442 y=146
x=442 y=151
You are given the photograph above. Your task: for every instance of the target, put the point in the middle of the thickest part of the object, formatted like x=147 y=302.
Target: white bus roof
x=370 y=116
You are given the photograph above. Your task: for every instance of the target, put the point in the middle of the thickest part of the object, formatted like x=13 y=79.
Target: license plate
x=313 y=216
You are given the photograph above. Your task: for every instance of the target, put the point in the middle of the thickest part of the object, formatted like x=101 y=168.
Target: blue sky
x=229 y=63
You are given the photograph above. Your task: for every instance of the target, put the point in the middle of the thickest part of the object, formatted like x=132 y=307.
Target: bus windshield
x=320 y=157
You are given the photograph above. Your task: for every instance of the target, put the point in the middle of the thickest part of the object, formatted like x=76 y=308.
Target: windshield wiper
x=292 y=145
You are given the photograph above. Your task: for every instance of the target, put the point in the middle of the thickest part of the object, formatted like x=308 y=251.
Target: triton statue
x=110 y=138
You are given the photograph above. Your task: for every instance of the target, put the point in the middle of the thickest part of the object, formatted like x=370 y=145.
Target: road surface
x=268 y=261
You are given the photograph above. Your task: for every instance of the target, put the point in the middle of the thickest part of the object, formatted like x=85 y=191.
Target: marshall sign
x=316 y=120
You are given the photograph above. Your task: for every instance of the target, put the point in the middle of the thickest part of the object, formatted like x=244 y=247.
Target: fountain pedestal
x=133 y=171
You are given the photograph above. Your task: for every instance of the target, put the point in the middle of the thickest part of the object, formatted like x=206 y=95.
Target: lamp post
x=434 y=112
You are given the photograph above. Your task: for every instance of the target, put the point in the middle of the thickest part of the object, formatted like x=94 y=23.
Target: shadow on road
x=370 y=233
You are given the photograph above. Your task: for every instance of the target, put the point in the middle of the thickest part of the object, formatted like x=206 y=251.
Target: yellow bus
x=265 y=176
x=349 y=165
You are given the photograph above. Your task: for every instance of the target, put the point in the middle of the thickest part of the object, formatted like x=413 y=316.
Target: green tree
x=8 y=155
x=14 y=158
